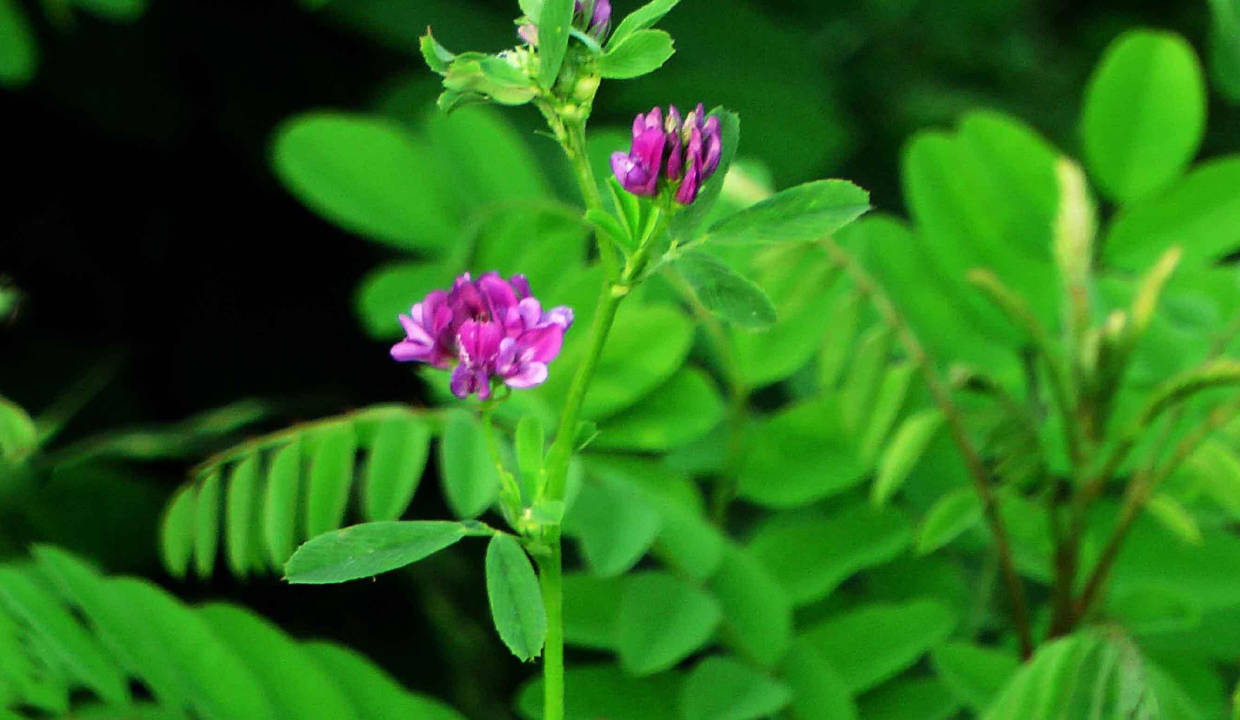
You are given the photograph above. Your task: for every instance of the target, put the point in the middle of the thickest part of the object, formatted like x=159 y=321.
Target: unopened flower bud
x=684 y=153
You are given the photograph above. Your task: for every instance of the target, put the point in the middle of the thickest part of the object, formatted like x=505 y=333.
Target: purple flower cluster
x=684 y=153
x=489 y=327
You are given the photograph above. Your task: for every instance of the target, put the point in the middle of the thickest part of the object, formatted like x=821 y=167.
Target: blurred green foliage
x=854 y=577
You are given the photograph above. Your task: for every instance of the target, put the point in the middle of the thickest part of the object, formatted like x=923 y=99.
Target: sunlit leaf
x=1144 y=113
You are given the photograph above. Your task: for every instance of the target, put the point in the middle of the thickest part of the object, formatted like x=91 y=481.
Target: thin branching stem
x=960 y=436
x=1142 y=487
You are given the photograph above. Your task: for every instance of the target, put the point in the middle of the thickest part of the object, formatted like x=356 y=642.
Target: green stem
x=550 y=580
x=571 y=136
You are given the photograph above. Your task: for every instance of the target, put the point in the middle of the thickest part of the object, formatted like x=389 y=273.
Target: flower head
x=683 y=152
x=490 y=328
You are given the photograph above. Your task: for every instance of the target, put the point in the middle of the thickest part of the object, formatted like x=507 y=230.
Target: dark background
x=142 y=221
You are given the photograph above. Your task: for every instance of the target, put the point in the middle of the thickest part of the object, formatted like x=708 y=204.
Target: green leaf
x=615 y=524
x=18 y=434
x=243 y=540
x=297 y=687
x=1216 y=373
x=719 y=688
x=554 y=21
x=903 y=452
x=469 y=476
x=679 y=411
x=638 y=54
x=367 y=175
x=207 y=524
x=1144 y=113
x=810 y=553
x=394 y=467
x=487 y=159
x=603 y=691
x=331 y=475
x=643 y=17
x=438 y=58
x=280 y=503
x=1225 y=48
x=869 y=645
x=59 y=634
x=606 y=225
x=839 y=341
x=686 y=224
x=1215 y=471
x=865 y=377
x=1175 y=517
x=724 y=292
x=950 y=516
x=19 y=54
x=374 y=694
x=975 y=674
x=590 y=607
x=757 y=611
x=818 y=691
x=369 y=549
x=177 y=532
x=800 y=455
x=473 y=75
x=803 y=213
x=913 y=699
x=516 y=601
x=1199 y=212
x=1090 y=675
x=661 y=621
x=888 y=403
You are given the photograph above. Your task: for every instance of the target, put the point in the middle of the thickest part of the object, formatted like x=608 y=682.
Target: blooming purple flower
x=683 y=152
x=491 y=328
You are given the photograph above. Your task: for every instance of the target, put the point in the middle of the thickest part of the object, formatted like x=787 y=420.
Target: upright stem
x=572 y=138
x=977 y=471
x=550 y=580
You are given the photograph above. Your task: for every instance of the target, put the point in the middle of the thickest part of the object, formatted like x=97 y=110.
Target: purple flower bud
x=688 y=153
x=528 y=33
x=492 y=328
x=600 y=18
x=638 y=171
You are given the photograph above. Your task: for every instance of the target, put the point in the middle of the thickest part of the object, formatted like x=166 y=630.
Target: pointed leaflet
x=662 y=620
x=643 y=17
x=394 y=467
x=950 y=516
x=554 y=21
x=725 y=292
x=641 y=53
x=1144 y=113
x=516 y=602
x=207 y=524
x=368 y=549
x=280 y=503
x=903 y=452
x=241 y=524
x=721 y=688
x=177 y=532
x=468 y=474
x=800 y=214
x=331 y=476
